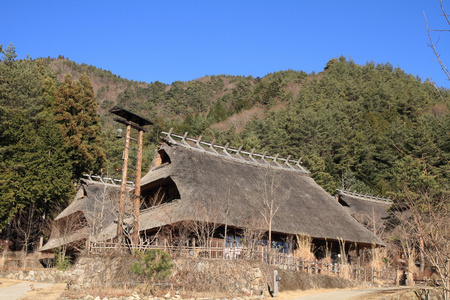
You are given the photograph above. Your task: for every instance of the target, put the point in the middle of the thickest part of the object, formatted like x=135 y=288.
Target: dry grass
x=241 y=119
x=2 y=262
x=378 y=254
x=305 y=248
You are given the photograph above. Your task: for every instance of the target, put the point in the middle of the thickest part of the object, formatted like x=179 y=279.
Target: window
x=160 y=192
x=161 y=159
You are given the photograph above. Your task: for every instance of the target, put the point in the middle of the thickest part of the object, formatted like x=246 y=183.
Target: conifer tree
x=34 y=167
x=75 y=112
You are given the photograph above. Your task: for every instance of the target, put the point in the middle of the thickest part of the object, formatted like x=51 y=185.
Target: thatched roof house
x=191 y=180
x=204 y=182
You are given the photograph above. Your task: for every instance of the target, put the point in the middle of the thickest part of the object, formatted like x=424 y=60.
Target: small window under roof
x=160 y=192
x=161 y=158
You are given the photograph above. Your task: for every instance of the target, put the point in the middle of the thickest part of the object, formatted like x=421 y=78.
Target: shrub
x=152 y=264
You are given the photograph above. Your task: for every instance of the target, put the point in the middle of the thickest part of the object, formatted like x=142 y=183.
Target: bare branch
x=432 y=45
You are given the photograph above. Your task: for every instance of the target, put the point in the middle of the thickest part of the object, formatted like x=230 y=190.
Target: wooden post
x=137 y=189
x=123 y=187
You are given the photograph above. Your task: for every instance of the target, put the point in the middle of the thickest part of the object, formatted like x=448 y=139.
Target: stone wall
x=188 y=275
x=248 y=279
x=49 y=275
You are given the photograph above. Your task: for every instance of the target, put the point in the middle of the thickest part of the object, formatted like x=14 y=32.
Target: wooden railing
x=263 y=254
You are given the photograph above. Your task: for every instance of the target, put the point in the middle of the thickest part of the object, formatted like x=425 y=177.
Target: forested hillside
x=370 y=128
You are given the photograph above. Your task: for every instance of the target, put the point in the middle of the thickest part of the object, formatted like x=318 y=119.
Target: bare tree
x=432 y=216
x=253 y=233
x=27 y=226
x=205 y=224
x=428 y=220
x=99 y=210
x=433 y=44
x=68 y=231
x=273 y=197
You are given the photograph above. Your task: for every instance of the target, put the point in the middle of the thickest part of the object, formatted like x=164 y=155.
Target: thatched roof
x=226 y=186
x=216 y=186
x=95 y=202
x=56 y=242
x=154 y=217
x=361 y=205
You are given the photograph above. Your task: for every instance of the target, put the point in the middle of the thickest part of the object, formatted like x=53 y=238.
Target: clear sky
x=184 y=40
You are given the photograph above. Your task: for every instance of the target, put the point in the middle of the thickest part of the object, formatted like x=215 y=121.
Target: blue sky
x=183 y=40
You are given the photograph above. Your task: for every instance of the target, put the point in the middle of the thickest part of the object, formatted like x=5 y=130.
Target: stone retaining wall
x=188 y=275
x=52 y=276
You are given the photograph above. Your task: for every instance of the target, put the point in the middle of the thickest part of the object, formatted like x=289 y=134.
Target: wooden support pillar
x=137 y=189
x=130 y=119
x=123 y=187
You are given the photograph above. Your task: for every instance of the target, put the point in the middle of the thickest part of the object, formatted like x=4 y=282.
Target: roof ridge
x=366 y=197
x=240 y=155
x=110 y=181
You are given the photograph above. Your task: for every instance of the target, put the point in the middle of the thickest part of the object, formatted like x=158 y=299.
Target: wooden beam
x=126 y=123
x=197 y=143
x=123 y=186
x=211 y=146
x=137 y=190
x=225 y=150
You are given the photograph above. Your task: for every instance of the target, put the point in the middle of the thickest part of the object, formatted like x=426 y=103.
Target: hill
x=351 y=124
x=345 y=121
x=371 y=128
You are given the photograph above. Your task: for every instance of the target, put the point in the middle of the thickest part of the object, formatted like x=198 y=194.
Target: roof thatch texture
x=93 y=201
x=96 y=202
x=56 y=242
x=224 y=189
x=365 y=206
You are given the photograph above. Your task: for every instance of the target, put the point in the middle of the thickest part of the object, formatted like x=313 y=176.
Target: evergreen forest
x=368 y=128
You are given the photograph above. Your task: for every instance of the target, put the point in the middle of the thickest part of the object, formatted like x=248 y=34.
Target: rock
x=246 y=292
x=78 y=272
x=50 y=278
x=136 y=296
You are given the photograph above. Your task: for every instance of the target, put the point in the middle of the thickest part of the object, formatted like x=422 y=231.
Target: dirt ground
x=288 y=295
x=8 y=282
x=53 y=292
x=399 y=293
x=48 y=293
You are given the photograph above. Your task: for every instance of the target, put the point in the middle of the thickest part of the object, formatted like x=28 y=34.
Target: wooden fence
x=269 y=256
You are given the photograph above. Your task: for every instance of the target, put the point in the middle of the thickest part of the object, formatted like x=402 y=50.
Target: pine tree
x=34 y=167
x=75 y=112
